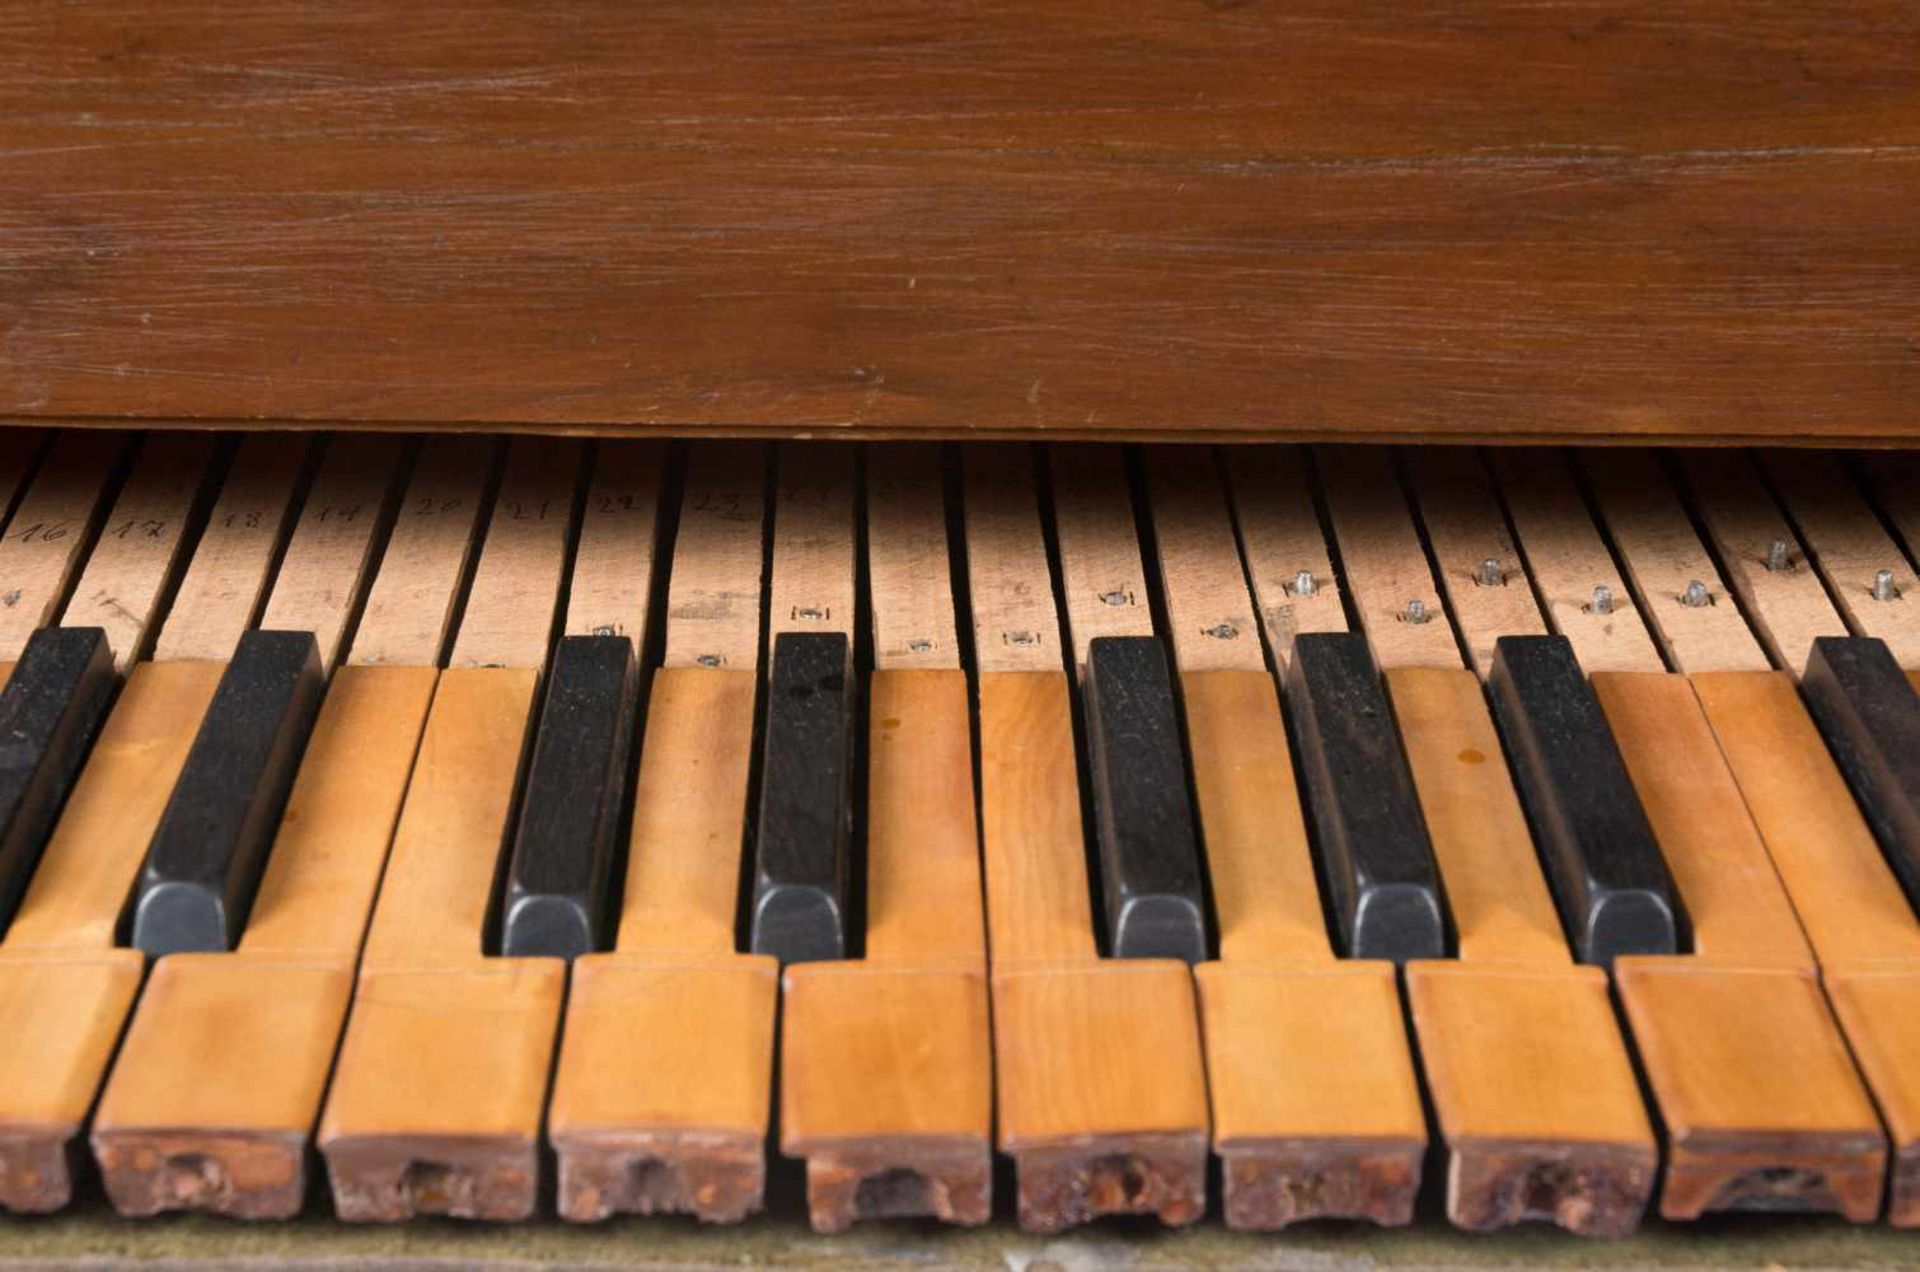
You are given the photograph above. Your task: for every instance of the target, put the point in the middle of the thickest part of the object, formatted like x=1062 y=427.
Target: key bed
x=1111 y=809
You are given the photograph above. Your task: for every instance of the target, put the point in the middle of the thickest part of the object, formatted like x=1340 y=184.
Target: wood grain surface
x=1203 y=218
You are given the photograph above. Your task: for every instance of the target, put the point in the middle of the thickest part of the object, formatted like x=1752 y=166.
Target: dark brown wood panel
x=1180 y=217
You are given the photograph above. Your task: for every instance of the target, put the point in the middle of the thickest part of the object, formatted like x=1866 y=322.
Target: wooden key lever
x=1315 y=1102
x=1149 y=857
x=1528 y=1074
x=1386 y=890
x=1098 y=1068
x=1612 y=885
x=210 y=846
x=575 y=796
x=800 y=862
x=886 y=1062
x=50 y=710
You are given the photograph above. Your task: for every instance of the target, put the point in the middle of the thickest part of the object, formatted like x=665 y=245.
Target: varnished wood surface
x=1214 y=218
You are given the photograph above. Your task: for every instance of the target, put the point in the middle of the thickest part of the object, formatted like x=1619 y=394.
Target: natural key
x=212 y=840
x=576 y=791
x=1609 y=878
x=1372 y=837
x=1149 y=855
x=48 y=713
x=1870 y=716
x=800 y=881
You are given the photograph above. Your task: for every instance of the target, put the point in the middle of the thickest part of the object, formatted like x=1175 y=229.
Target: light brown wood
x=907 y=559
x=1737 y=911
x=610 y=590
x=714 y=592
x=138 y=552
x=1281 y=539
x=1313 y=1099
x=41 y=547
x=1524 y=1060
x=1850 y=905
x=1496 y=893
x=1386 y=571
x=1535 y=1093
x=1461 y=516
x=1567 y=562
x=1210 y=612
x=661 y=1098
x=1038 y=905
x=324 y=570
x=232 y=564
x=1788 y=607
x=1850 y=548
x=1663 y=558
x=923 y=854
x=1893 y=476
x=1265 y=897
x=65 y=989
x=886 y=1065
x=327 y=858
x=1102 y=1098
x=689 y=814
x=1760 y=1098
x=1845 y=895
x=436 y=1098
x=1316 y=1105
x=1102 y=580
x=1016 y=627
x=410 y=606
x=510 y=604
x=813 y=576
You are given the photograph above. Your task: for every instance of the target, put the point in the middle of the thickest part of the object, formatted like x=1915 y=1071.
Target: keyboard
x=537 y=830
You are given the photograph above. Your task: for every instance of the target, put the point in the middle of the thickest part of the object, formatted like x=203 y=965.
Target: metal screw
x=1116 y=597
x=1779 y=556
x=710 y=660
x=1883 y=588
x=809 y=613
x=1303 y=584
x=1490 y=574
x=1602 y=602
x=1221 y=631
x=1696 y=596
x=1021 y=638
x=919 y=645
x=604 y=629
x=1416 y=612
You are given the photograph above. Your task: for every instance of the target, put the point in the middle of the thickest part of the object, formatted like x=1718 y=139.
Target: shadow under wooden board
x=1203 y=218
x=90 y=1233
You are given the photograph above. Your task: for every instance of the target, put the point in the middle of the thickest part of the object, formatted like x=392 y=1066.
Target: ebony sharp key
x=1149 y=856
x=800 y=869
x=212 y=840
x=1371 y=834
x=48 y=714
x=576 y=791
x=1605 y=865
x=1870 y=716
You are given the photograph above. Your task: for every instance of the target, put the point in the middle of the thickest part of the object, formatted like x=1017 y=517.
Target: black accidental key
x=800 y=876
x=1868 y=712
x=1149 y=858
x=212 y=841
x=1371 y=834
x=1603 y=861
x=576 y=791
x=48 y=714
